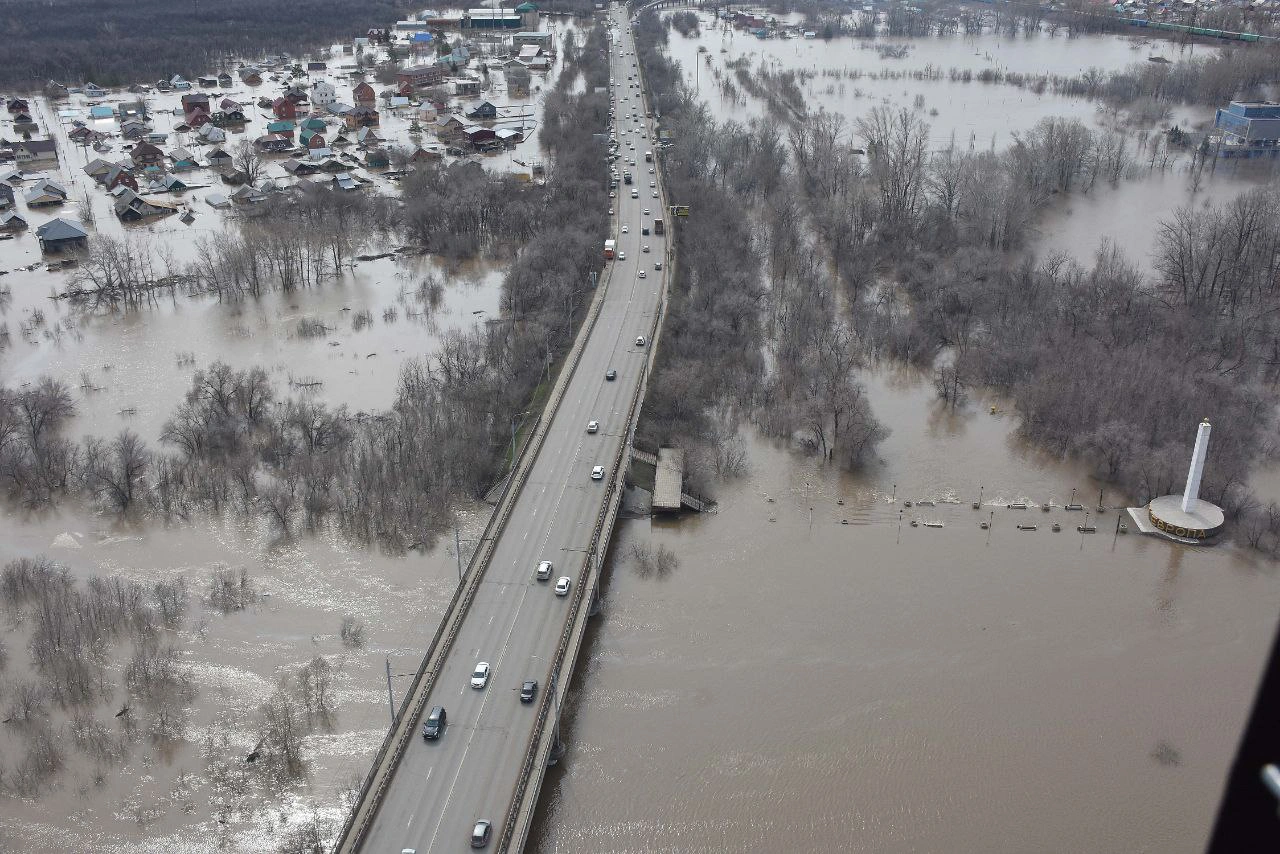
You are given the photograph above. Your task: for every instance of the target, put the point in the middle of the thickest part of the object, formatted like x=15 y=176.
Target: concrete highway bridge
x=489 y=761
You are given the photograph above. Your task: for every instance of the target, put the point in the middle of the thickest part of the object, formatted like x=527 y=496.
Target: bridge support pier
x=557 y=749
x=594 y=607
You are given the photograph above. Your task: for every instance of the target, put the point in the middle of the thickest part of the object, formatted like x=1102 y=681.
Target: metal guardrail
x=534 y=754
x=401 y=733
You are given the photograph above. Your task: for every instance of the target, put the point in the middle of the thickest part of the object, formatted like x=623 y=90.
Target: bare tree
x=245 y=158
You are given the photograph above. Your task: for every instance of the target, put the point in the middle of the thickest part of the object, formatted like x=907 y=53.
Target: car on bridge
x=597 y=473
x=481 y=833
x=528 y=690
x=640 y=275
x=480 y=676
x=544 y=570
x=434 y=727
x=610 y=375
x=562 y=585
x=593 y=426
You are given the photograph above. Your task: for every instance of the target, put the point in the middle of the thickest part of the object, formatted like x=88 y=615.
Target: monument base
x=1203 y=520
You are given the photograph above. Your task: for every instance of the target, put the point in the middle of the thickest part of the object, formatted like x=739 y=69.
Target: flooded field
x=851 y=76
x=799 y=683
x=166 y=801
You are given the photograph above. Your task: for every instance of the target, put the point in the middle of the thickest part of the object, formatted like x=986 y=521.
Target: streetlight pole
x=457 y=551
x=514 y=418
x=390 y=699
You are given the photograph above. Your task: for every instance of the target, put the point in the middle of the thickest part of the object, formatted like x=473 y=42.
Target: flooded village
x=902 y=653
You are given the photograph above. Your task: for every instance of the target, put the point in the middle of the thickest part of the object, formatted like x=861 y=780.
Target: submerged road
x=441 y=788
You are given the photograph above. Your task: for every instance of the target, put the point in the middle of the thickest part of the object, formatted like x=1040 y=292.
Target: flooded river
x=798 y=683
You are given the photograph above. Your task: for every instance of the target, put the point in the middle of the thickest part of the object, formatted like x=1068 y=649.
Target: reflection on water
x=803 y=684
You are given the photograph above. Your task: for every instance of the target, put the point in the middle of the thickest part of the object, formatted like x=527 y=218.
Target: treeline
x=75 y=634
x=743 y=297
x=117 y=42
x=1102 y=363
x=294 y=240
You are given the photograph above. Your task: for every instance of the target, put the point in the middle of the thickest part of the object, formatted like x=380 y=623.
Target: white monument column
x=1192 y=492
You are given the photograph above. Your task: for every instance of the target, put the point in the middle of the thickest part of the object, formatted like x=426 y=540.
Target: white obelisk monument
x=1192 y=492
x=1186 y=517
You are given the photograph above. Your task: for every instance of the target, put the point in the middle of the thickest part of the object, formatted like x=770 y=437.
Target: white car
x=625 y=229
x=480 y=676
x=544 y=570
x=562 y=585
x=640 y=275
x=639 y=340
x=650 y=170
x=593 y=426
x=653 y=184
x=597 y=473
x=646 y=211
x=644 y=248
x=655 y=194
x=622 y=256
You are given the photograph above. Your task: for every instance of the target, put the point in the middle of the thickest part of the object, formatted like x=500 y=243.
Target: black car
x=434 y=726
x=528 y=690
x=611 y=375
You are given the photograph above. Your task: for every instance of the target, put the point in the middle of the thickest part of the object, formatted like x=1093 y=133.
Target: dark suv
x=434 y=726
x=528 y=690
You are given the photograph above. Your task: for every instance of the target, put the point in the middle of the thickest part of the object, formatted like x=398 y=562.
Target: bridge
x=488 y=763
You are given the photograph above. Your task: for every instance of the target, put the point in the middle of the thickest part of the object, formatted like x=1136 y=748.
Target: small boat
x=1022 y=527
x=1073 y=507
x=1018 y=505
x=1056 y=527
x=933 y=525
x=984 y=525
x=1045 y=507
x=1124 y=529
x=906 y=504
x=926 y=503
x=914 y=523
x=976 y=505
x=1087 y=529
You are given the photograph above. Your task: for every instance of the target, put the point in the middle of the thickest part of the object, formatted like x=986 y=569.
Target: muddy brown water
x=800 y=684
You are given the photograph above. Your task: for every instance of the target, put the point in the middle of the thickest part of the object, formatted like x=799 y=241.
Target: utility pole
x=457 y=551
x=390 y=699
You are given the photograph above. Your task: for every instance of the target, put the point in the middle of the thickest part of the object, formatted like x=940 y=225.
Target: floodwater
x=139 y=363
x=802 y=684
x=975 y=114
x=155 y=804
